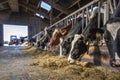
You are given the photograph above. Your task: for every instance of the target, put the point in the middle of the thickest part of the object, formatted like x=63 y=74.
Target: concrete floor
x=14 y=65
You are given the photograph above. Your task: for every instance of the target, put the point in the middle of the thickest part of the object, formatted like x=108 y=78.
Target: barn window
x=37 y=14
x=45 y=6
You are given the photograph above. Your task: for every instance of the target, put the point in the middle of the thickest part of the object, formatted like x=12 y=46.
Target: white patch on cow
x=56 y=30
x=113 y=29
x=76 y=37
x=37 y=38
x=61 y=40
x=93 y=13
x=116 y=56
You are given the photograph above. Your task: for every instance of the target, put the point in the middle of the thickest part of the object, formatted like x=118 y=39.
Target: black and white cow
x=78 y=46
x=112 y=37
x=38 y=37
x=65 y=43
x=46 y=37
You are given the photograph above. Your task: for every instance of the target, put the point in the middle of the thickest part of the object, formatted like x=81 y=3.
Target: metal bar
x=115 y=5
x=106 y=11
x=91 y=8
x=99 y=6
x=82 y=20
x=89 y=4
x=111 y=7
x=79 y=10
x=87 y=13
x=75 y=16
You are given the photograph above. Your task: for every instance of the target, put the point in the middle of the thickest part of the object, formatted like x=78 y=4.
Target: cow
x=32 y=41
x=55 y=39
x=66 y=41
x=39 y=36
x=46 y=37
x=112 y=37
x=90 y=33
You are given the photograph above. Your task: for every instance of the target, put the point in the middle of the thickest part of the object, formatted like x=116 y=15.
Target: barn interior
x=23 y=61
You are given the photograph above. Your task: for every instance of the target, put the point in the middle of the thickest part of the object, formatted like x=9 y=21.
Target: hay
x=59 y=68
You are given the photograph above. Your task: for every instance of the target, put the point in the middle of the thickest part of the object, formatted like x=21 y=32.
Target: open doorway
x=14 y=33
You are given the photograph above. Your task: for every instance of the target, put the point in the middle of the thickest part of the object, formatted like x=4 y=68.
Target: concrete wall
x=34 y=23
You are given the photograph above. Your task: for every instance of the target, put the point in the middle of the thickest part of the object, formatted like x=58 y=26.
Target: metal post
x=87 y=13
x=106 y=11
x=82 y=20
x=75 y=18
x=114 y=3
x=111 y=7
x=99 y=11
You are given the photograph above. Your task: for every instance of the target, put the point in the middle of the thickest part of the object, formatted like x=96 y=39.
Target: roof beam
x=14 y=5
x=77 y=1
x=3 y=2
x=33 y=9
x=57 y=7
x=27 y=1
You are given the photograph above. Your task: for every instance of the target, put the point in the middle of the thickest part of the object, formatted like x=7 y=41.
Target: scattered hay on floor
x=58 y=68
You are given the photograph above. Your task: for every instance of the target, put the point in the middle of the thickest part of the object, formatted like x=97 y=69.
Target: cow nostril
x=71 y=61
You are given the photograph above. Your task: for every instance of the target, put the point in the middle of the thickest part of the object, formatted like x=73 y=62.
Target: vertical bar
x=75 y=18
x=67 y=21
x=91 y=8
x=82 y=20
x=106 y=11
x=115 y=5
x=72 y=20
x=111 y=7
x=99 y=6
x=87 y=13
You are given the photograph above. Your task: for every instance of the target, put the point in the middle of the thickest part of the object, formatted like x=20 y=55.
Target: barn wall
x=1 y=35
x=34 y=23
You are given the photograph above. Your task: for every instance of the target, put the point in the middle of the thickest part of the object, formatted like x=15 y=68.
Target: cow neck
x=117 y=11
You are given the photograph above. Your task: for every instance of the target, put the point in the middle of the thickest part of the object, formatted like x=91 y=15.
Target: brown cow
x=55 y=40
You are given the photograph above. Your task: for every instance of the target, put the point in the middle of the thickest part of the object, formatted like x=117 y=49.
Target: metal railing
x=84 y=13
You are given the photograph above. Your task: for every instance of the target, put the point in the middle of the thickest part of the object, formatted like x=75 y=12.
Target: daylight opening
x=13 y=34
x=41 y=16
x=45 y=6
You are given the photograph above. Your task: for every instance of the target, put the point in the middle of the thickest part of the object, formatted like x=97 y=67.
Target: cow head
x=78 y=48
x=66 y=45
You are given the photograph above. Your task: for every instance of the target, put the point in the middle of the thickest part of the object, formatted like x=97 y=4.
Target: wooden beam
x=76 y=2
x=27 y=1
x=75 y=12
x=33 y=9
x=58 y=7
x=14 y=5
x=38 y=4
x=3 y=2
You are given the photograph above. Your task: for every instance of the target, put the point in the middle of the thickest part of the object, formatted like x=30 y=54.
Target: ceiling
x=59 y=8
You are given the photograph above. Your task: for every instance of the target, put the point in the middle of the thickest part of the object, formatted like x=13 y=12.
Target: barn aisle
x=14 y=65
x=18 y=63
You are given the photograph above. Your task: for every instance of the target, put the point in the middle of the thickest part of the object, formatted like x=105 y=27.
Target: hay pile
x=59 y=68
